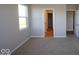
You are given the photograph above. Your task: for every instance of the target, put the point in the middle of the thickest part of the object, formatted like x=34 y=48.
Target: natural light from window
x=23 y=14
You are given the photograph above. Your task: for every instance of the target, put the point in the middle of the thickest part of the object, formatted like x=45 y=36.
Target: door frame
x=52 y=21
x=73 y=21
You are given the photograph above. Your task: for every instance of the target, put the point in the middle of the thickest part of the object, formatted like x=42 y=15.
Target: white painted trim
x=60 y=37
x=44 y=20
x=20 y=44
x=44 y=37
x=37 y=36
x=70 y=10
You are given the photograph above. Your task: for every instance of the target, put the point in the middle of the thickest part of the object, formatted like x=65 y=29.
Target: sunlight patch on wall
x=23 y=15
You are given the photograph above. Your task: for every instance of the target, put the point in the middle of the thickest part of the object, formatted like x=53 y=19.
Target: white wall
x=29 y=18
x=70 y=20
x=10 y=34
x=77 y=22
x=71 y=7
x=38 y=20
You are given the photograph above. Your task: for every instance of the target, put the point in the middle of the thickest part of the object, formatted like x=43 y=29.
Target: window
x=23 y=15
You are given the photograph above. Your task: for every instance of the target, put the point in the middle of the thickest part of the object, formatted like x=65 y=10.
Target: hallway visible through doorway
x=49 y=23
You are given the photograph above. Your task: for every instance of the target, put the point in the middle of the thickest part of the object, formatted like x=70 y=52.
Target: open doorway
x=70 y=23
x=48 y=23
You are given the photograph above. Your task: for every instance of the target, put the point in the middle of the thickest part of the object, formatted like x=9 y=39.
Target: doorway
x=49 y=23
x=70 y=23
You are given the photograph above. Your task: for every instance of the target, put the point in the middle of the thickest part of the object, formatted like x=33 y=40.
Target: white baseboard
x=37 y=37
x=43 y=36
x=60 y=37
x=20 y=44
